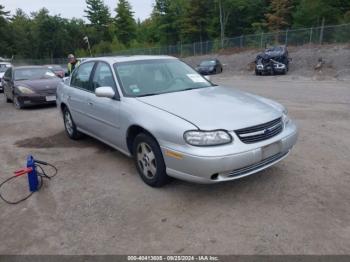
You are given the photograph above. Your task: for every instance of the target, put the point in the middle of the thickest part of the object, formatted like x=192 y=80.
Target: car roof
x=119 y=59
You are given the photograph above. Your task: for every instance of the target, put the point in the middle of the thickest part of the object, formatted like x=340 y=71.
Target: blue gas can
x=32 y=176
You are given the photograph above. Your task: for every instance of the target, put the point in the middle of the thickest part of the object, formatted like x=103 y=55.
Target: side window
x=81 y=76
x=103 y=76
x=8 y=73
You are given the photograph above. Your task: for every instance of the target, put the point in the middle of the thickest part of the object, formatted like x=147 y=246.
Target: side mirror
x=207 y=77
x=105 y=91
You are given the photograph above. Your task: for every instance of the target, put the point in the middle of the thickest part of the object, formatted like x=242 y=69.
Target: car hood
x=217 y=107
x=40 y=84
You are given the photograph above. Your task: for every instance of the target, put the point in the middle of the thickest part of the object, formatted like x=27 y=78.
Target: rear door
x=80 y=94
x=104 y=112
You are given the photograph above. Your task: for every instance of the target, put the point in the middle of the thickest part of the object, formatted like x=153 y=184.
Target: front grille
x=251 y=168
x=261 y=132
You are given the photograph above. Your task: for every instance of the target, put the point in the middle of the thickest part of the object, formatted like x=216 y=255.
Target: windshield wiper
x=154 y=94
x=190 y=88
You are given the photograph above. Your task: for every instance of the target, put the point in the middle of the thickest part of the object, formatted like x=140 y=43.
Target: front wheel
x=8 y=100
x=16 y=102
x=149 y=161
x=69 y=125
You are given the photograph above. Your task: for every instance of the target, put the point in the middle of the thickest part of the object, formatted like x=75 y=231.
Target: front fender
x=167 y=128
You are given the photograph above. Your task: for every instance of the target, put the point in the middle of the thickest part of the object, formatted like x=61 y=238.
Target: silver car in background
x=173 y=121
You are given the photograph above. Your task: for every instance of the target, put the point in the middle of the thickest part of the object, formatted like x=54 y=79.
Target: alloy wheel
x=146 y=160
x=68 y=123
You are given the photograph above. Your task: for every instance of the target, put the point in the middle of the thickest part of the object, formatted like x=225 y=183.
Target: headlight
x=207 y=138
x=25 y=90
x=285 y=117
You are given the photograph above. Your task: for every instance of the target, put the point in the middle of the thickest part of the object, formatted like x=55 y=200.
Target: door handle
x=90 y=103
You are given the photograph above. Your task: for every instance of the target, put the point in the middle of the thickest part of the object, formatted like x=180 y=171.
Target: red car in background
x=57 y=69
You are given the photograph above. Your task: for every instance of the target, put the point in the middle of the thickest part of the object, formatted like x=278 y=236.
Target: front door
x=80 y=94
x=104 y=112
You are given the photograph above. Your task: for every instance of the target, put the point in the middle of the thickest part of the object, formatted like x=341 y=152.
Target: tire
x=16 y=102
x=8 y=100
x=149 y=161
x=69 y=125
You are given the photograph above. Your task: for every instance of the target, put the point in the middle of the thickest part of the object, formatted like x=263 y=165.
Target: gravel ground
x=97 y=204
x=336 y=60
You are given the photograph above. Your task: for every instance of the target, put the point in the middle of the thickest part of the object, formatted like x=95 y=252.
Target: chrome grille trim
x=260 y=132
x=251 y=168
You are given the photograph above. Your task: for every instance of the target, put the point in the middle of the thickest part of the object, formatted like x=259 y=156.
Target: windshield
x=208 y=63
x=33 y=74
x=4 y=67
x=159 y=76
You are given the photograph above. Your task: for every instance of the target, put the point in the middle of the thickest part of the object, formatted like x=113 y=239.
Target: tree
x=21 y=34
x=125 y=23
x=97 y=13
x=280 y=15
x=168 y=17
x=5 y=45
x=310 y=13
x=197 y=20
x=225 y=8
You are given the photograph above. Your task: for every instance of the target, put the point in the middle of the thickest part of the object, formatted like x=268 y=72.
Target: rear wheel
x=149 y=161
x=69 y=125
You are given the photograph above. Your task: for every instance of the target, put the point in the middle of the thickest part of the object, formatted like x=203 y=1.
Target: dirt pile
x=336 y=62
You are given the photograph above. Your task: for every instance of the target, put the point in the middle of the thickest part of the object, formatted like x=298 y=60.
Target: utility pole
x=322 y=30
x=222 y=27
x=86 y=39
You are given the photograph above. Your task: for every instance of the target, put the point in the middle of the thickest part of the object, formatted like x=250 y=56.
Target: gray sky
x=74 y=8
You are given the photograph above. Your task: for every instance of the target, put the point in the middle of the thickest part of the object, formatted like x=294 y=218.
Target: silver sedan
x=173 y=121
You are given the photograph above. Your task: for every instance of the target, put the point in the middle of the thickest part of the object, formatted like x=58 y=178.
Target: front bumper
x=37 y=99
x=248 y=159
x=206 y=71
x=267 y=68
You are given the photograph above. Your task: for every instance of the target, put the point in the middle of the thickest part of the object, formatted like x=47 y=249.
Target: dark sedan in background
x=30 y=85
x=210 y=67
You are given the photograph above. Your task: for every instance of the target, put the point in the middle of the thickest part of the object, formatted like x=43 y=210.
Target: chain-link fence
x=296 y=37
